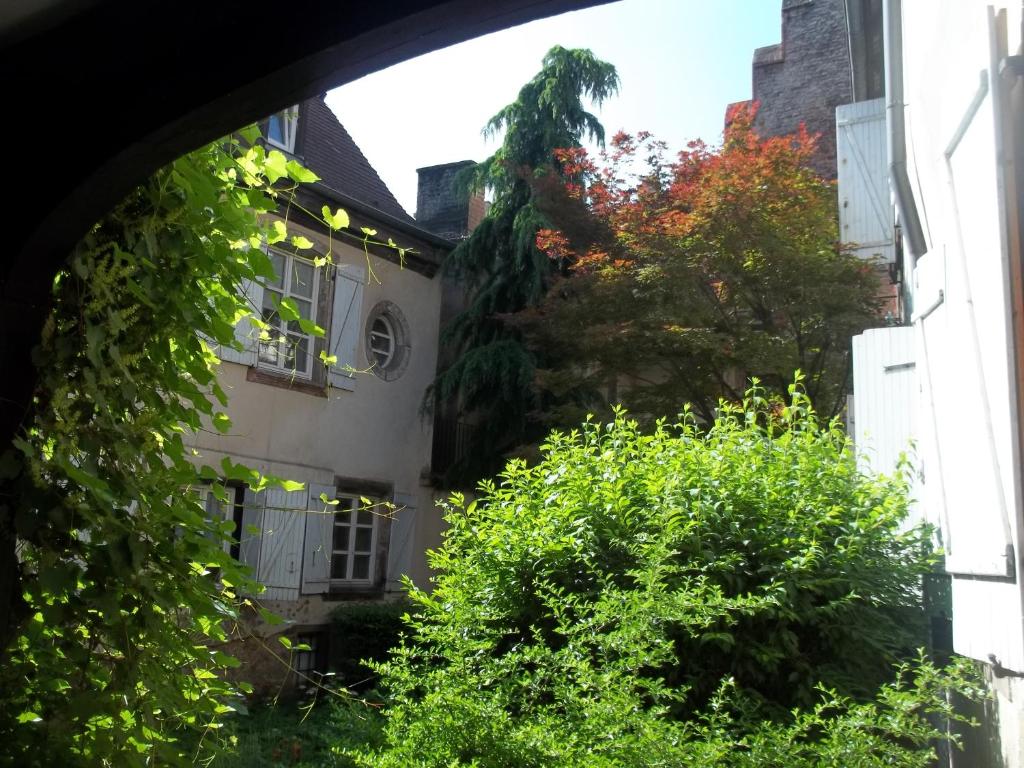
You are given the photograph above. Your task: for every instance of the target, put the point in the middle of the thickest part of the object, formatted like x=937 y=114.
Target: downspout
x=896 y=139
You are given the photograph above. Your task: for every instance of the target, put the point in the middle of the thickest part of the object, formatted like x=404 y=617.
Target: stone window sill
x=285 y=382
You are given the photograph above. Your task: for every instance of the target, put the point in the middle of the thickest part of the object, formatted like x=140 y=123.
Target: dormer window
x=282 y=127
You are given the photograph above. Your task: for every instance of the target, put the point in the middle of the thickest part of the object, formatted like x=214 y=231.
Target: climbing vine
x=127 y=588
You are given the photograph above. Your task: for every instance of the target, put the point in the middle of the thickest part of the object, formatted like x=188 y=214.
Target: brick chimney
x=440 y=208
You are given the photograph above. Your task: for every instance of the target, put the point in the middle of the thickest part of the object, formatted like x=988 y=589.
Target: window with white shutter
x=346 y=323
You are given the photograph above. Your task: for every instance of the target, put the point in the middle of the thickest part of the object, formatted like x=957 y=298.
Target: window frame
x=285 y=292
x=389 y=334
x=355 y=506
x=289 y=119
x=230 y=511
x=401 y=340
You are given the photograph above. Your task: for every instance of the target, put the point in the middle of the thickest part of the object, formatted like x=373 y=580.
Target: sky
x=680 y=63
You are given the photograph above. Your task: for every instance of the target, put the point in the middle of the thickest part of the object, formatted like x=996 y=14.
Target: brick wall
x=806 y=76
x=439 y=206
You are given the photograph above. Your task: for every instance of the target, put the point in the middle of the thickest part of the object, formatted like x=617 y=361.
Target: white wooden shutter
x=346 y=323
x=280 y=551
x=245 y=333
x=886 y=396
x=400 y=546
x=965 y=347
x=252 y=526
x=866 y=215
x=316 y=548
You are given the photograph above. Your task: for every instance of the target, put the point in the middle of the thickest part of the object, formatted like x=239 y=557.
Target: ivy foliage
x=127 y=588
x=736 y=596
x=491 y=371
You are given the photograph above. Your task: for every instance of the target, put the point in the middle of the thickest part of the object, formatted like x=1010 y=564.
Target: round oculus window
x=382 y=341
x=387 y=341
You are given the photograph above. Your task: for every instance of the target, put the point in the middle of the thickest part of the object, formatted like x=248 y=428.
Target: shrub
x=300 y=736
x=668 y=599
x=363 y=632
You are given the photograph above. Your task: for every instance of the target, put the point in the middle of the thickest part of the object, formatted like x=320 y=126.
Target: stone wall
x=806 y=76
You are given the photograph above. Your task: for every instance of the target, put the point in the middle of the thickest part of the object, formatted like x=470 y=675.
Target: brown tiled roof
x=329 y=151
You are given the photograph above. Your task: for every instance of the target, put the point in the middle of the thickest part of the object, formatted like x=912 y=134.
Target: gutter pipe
x=895 y=119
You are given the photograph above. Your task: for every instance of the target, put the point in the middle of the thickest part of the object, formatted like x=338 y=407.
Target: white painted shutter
x=885 y=390
x=245 y=333
x=346 y=323
x=400 y=546
x=280 y=552
x=965 y=347
x=316 y=549
x=866 y=215
x=252 y=525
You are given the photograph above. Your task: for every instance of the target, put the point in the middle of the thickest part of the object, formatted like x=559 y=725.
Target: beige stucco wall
x=374 y=433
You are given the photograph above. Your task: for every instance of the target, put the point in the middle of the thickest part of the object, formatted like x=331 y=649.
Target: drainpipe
x=895 y=120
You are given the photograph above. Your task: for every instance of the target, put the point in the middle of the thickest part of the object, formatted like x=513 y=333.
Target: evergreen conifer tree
x=491 y=372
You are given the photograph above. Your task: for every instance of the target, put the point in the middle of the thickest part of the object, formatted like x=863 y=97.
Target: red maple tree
x=683 y=278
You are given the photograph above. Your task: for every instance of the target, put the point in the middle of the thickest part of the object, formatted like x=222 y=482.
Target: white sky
x=680 y=63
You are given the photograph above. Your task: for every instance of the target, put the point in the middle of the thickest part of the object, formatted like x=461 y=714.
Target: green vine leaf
x=275 y=166
x=222 y=423
x=278 y=232
x=301 y=174
x=336 y=220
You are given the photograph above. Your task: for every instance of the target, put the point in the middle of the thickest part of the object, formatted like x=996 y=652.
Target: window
x=289 y=349
x=229 y=510
x=354 y=540
x=308 y=662
x=387 y=341
x=281 y=128
x=382 y=341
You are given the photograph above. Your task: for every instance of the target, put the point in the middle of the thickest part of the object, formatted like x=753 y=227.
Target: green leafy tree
x=690 y=275
x=492 y=371
x=126 y=588
x=736 y=596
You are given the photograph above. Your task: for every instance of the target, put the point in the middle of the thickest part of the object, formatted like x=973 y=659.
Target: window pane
x=305 y=308
x=341 y=537
x=275 y=128
x=342 y=513
x=302 y=279
x=361 y=567
x=269 y=352
x=277 y=260
x=339 y=567
x=269 y=311
x=298 y=352
x=364 y=517
x=382 y=341
x=363 y=538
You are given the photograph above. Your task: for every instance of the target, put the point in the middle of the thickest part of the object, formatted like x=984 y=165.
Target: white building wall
x=968 y=419
x=961 y=297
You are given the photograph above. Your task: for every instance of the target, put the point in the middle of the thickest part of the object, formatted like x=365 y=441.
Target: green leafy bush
x=736 y=595
x=363 y=632
x=300 y=736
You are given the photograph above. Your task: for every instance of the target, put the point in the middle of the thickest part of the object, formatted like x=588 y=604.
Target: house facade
x=929 y=160
x=351 y=432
